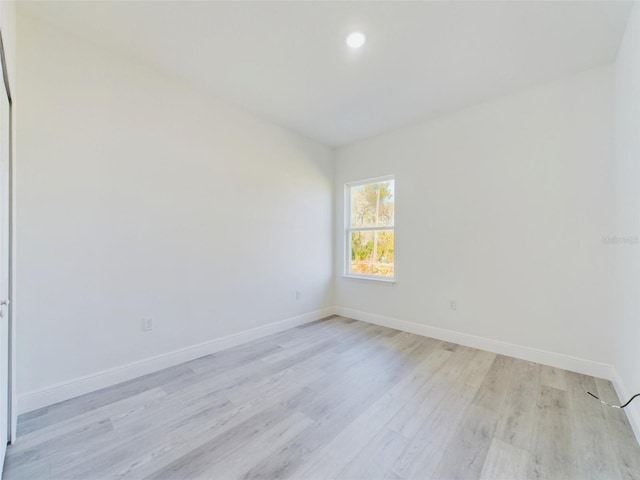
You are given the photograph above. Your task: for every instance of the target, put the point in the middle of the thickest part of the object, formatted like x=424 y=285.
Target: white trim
x=382 y=178
x=633 y=410
x=106 y=378
x=558 y=360
x=13 y=426
x=378 y=278
x=79 y=386
x=348 y=229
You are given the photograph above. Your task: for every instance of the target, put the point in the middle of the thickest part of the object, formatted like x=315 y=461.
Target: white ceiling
x=288 y=61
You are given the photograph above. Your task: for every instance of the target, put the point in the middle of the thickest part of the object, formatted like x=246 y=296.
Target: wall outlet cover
x=147 y=324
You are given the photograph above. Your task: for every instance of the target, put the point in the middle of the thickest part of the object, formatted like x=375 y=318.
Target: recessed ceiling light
x=356 y=39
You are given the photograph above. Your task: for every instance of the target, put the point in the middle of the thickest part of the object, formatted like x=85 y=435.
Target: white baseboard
x=558 y=360
x=106 y=378
x=633 y=410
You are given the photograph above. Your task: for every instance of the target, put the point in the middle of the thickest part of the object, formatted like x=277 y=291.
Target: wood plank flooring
x=335 y=398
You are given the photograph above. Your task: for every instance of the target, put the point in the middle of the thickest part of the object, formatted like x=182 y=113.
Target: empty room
x=200 y=203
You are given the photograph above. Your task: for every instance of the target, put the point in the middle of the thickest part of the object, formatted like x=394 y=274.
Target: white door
x=5 y=173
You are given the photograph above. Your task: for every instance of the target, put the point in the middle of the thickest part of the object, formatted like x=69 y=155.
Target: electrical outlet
x=298 y=294
x=453 y=305
x=147 y=324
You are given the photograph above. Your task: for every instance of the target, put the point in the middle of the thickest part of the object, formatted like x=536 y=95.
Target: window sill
x=371 y=279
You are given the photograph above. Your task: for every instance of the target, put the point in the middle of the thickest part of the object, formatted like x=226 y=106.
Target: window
x=370 y=229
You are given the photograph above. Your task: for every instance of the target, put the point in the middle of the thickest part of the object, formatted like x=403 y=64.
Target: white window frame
x=348 y=229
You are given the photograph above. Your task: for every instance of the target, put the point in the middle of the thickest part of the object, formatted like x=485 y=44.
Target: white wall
x=502 y=207
x=627 y=266
x=139 y=197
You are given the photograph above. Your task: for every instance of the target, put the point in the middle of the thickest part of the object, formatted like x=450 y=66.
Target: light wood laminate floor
x=335 y=399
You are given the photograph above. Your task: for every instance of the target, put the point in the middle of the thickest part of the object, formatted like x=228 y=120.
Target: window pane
x=372 y=253
x=372 y=204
